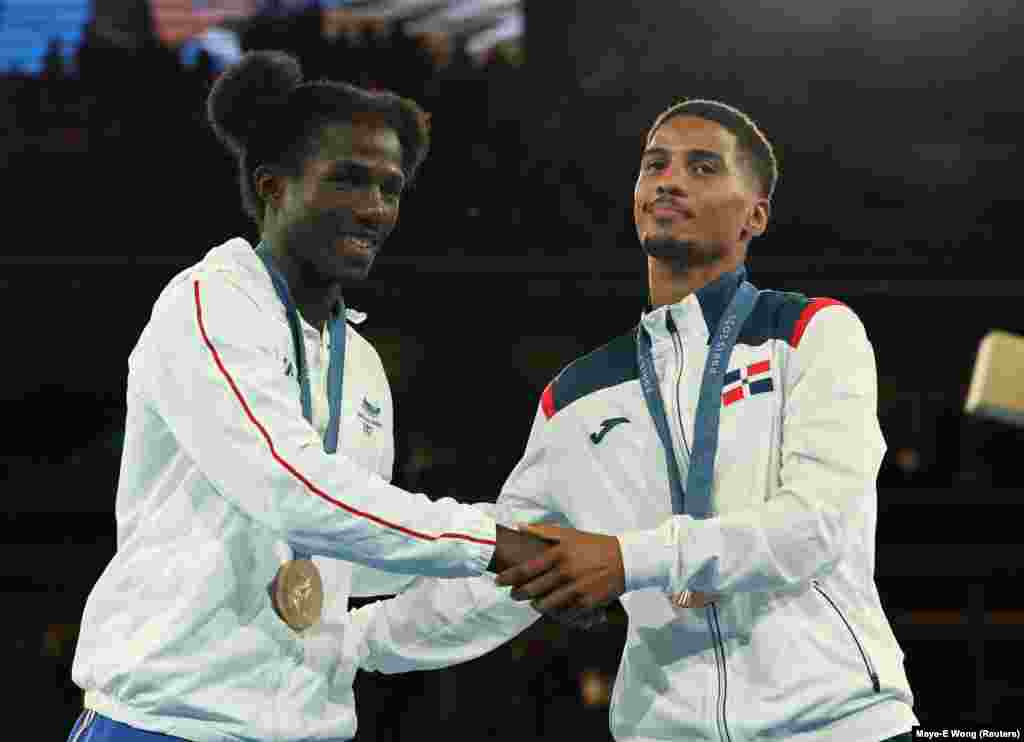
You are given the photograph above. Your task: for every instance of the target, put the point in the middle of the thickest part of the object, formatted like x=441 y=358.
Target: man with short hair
x=731 y=440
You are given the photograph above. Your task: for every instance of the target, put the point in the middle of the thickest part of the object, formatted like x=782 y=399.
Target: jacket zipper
x=875 y=683
x=723 y=678
x=716 y=630
x=677 y=345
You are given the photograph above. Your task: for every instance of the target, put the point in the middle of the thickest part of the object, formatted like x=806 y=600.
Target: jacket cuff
x=489 y=528
x=647 y=557
x=482 y=529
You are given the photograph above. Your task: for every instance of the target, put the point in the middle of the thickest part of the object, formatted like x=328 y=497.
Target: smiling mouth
x=359 y=243
x=670 y=211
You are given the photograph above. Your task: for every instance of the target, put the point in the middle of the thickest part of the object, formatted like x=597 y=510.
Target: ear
x=270 y=186
x=757 y=221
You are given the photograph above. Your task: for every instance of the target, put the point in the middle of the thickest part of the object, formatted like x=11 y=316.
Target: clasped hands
x=567 y=574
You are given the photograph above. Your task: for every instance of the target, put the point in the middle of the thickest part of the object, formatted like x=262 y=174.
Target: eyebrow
x=692 y=155
x=352 y=166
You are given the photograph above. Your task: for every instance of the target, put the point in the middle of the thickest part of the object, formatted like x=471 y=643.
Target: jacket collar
x=698 y=314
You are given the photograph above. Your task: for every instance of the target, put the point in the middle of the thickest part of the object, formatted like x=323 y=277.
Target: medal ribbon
x=695 y=499
x=335 y=368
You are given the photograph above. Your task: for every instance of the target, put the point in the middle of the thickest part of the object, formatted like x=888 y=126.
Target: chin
x=355 y=269
x=667 y=246
x=344 y=266
x=686 y=253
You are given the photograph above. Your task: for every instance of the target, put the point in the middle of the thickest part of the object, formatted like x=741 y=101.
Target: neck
x=670 y=283
x=313 y=297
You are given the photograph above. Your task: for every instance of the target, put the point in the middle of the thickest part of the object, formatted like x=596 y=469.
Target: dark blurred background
x=896 y=125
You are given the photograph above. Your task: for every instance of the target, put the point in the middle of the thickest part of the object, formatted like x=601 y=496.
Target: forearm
x=238 y=418
x=438 y=623
x=778 y=545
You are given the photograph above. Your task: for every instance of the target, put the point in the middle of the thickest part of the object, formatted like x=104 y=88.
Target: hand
x=513 y=547
x=582 y=572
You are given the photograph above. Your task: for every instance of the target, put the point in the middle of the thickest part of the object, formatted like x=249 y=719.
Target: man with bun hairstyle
x=253 y=497
x=731 y=441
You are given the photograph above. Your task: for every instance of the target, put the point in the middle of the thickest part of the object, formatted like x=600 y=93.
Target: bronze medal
x=298 y=593
x=687 y=599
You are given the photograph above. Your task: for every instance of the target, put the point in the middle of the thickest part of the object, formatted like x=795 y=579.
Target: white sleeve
x=368 y=582
x=211 y=374
x=439 y=623
x=832 y=448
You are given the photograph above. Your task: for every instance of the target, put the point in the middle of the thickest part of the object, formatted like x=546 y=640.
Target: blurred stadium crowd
x=488 y=287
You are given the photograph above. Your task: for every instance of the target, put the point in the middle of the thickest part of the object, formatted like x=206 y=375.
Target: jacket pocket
x=868 y=665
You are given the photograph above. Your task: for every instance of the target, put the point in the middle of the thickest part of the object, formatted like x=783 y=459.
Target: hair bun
x=250 y=90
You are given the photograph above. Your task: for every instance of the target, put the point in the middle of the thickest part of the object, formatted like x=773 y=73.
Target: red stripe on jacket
x=293 y=471
x=810 y=310
x=547 y=401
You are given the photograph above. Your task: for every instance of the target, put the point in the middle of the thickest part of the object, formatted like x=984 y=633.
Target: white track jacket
x=798 y=646
x=220 y=477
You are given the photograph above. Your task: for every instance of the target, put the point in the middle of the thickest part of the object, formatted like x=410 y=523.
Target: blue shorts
x=93 y=727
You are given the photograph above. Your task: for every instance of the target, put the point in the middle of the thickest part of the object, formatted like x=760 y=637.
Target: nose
x=670 y=188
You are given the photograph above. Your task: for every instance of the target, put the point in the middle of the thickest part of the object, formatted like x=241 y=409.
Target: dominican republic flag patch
x=743 y=382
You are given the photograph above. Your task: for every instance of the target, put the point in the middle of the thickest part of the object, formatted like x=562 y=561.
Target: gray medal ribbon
x=695 y=499
x=335 y=368
x=652 y=395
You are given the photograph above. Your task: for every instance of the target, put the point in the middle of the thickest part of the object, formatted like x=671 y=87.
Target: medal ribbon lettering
x=695 y=498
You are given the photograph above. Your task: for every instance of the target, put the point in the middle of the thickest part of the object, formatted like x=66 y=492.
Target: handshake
x=568 y=575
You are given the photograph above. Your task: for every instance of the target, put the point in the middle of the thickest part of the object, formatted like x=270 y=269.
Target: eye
x=345 y=181
x=654 y=165
x=704 y=167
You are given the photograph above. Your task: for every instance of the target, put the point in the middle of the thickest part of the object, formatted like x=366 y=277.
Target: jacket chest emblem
x=606 y=425
x=369 y=415
x=746 y=381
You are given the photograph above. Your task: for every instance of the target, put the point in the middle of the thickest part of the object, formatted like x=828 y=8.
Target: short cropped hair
x=753 y=144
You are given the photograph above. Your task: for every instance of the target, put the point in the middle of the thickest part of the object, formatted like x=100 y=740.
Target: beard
x=683 y=255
